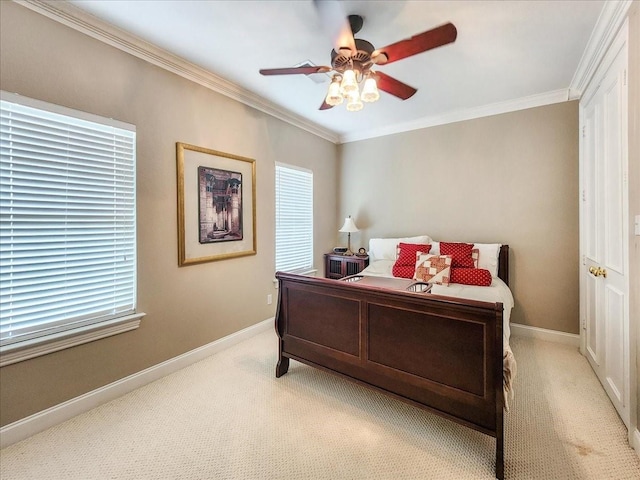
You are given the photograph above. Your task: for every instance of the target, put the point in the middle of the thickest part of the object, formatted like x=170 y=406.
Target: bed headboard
x=503 y=264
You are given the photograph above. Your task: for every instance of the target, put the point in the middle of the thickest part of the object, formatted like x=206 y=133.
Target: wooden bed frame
x=439 y=353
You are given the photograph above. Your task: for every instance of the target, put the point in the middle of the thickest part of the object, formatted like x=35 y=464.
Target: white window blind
x=294 y=219
x=67 y=215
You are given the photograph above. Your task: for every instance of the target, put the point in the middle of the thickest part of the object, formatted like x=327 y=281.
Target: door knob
x=598 y=272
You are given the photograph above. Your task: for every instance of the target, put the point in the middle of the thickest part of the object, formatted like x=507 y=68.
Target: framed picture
x=216 y=205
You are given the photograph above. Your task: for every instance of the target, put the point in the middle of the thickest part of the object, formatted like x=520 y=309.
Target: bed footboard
x=434 y=352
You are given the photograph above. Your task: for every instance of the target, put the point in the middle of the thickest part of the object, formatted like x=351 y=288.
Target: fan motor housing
x=360 y=60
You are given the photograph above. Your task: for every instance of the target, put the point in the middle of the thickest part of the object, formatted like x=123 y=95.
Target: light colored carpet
x=228 y=417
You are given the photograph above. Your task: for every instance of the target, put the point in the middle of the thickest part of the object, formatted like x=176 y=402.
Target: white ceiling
x=506 y=51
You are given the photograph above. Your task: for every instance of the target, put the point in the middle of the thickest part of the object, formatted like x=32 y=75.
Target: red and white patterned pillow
x=471 y=276
x=475 y=254
x=433 y=268
x=405 y=265
x=461 y=253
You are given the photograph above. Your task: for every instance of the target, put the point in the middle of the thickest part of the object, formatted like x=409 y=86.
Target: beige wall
x=509 y=178
x=186 y=307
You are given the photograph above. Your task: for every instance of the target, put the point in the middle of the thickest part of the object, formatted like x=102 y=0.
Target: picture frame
x=216 y=205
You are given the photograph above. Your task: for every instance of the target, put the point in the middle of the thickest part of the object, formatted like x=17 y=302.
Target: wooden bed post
x=283 y=362
x=499 y=372
x=500 y=455
x=282 y=367
x=503 y=264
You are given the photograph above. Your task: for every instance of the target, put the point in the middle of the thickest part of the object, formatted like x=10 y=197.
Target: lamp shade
x=349 y=83
x=334 y=97
x=370 y=90
x=354 y=104
x=349 y=226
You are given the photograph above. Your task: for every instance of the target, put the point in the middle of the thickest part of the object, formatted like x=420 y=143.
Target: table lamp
x=348 y=227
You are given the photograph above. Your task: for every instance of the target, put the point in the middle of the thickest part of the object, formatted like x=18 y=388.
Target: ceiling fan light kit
x=353 y=58
x=345 y=86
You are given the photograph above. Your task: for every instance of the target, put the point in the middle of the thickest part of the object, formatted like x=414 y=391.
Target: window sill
x=19 y=352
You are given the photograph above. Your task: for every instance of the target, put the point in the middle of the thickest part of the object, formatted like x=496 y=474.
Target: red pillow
x=407 y=252
x=471 y=276
x=461 y=253
x=405 y=266
x=404 y=271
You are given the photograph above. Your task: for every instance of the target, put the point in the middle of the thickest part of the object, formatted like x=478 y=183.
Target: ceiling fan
x=353 y=59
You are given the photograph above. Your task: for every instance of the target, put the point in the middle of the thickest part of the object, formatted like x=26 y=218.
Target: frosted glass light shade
x=349 y=83
x=370 y=90
x=354 y=103
x=334 y=97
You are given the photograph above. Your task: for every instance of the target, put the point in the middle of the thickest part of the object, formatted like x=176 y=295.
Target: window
x=67 y=228
x=294 y=219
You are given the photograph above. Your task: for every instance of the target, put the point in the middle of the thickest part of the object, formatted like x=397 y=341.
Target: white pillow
x=385 y=248
x=489 y=255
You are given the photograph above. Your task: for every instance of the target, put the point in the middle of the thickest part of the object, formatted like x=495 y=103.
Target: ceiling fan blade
x=325 y=106
x=335 y=23
x=422 y=42
x=294 y=70
x=393 y=86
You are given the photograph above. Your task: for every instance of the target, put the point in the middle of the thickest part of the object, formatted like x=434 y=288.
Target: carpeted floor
x=228 y=417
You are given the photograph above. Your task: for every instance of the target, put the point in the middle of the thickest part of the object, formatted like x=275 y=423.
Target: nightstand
x=338 y=266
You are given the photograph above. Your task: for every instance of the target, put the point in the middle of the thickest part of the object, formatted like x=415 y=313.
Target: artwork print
x=220 y=205
x=216 y=205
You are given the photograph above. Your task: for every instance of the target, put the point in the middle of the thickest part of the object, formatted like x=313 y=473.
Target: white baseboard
x=571 y=339
x=636 y=442
x=26 y=427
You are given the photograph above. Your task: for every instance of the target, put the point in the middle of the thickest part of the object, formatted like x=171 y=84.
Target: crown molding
x=609 y=22
x=538 y=100
x=78 y=19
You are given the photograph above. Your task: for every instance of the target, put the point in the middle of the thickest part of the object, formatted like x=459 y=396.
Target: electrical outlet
x=269 y=299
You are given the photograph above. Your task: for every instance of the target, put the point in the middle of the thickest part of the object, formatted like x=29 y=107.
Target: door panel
x=590 y=129
x=614 y=311
x=604 y=281
x=612 y=172
x=592 y=325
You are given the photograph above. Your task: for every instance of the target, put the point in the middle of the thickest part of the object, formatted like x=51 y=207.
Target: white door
x=604 y=275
